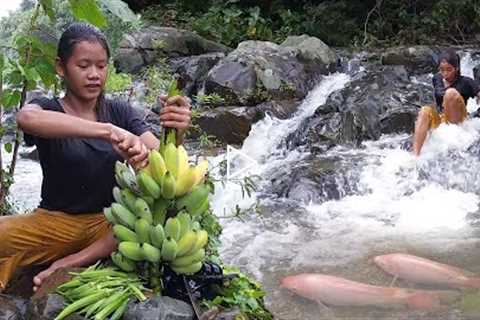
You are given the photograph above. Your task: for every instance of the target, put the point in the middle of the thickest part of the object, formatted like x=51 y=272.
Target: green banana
x=122 y=233
x=202 y=240
x=107 y=212
x=151 y=253
x=122 y=262
x=184 y=261
x=148 y=185
x=196 y=226
x=169 y=249
x=168 y=186
x=186 y=243
x=160 y=211
x=131 y=250
x=172 y=228
x=117 y=195
x=194 y=199
x=185 y=222
x=130 y=180
x=129 y=199
x=157 y=235
x=201 y=209
x=190 y=269
x=142 y=210
x=157 y=166
x=171 y=159
x=149 y=200
x=123 y=215
x=142 y=230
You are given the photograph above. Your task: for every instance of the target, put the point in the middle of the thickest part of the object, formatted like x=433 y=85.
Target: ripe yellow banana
x=202 y=240
x=142 y=230
x=184 y=261
x=185 y=182
x=186 y=243
x=157 y=235
x=131 y=250
x=122 y=262
x=148 y=185
x=151 y=253
x=168 y=186
x=182 y=161
x=157 y=165
x=142 y=210
x=200 y=171
x=188 y=270
x=169 y=249
x=123 y=215
x=122 y=233
x=171 y=160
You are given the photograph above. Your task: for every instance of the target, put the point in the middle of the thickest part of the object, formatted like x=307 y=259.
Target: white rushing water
x=404 y=203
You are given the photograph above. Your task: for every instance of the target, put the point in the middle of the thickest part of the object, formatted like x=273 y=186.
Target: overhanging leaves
x=120 y=9
x=88 y=10
x=47 y=6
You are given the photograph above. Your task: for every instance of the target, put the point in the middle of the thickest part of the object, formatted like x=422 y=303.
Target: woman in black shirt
x=79 y=138
x=451 y=92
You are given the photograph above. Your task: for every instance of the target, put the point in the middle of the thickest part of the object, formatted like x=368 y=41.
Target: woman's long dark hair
x=452 y=57
x=74 y=34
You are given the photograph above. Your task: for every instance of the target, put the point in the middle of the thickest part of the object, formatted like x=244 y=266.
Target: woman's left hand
x=175 y=113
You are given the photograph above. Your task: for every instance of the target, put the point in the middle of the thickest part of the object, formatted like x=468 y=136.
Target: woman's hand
x=176 y=114
x=129 y=146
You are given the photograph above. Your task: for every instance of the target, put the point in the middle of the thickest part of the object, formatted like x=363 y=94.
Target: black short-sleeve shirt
x=78 y=174
x=466 y=86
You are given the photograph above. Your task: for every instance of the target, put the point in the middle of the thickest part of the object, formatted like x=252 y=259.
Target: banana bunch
x=155 y=212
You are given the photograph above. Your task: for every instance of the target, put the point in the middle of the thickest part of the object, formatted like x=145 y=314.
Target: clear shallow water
x=427 y=206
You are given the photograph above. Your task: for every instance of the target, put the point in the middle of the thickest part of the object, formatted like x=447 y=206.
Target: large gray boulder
x=147 y=45
x=416 y=59
x=259 y=71
x=381 y=102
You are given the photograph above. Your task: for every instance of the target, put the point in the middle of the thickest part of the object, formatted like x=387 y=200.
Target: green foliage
x=88 y=10
x=338 y=23
x=117 y=82
x=157 y=79
x=243 y=292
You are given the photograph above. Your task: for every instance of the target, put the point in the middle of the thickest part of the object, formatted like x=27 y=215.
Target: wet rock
x=234 y=314
x=145 y=46
x=476 y=72
x=159 y=308
x=416 y=59
x=9 y=309
x=383 y=101
x=229 y=124
x=192 y=71
x=258 y=71
x=317 y=179
x=282 y=109
x=47 y=308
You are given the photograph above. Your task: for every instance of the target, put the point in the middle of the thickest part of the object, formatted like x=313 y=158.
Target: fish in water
x=336 y=291
x=424 y=271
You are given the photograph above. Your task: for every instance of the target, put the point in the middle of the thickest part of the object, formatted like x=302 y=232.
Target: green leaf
x=10 y=98
x=88 y=10
x=8 y=147
x=120 y=9
x=47 y=6
x=46 y=70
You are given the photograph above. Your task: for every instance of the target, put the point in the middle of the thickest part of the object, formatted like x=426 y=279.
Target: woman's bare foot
x=39 y=278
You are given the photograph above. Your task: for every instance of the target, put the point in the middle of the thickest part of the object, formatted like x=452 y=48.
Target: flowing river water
x=427 y=206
